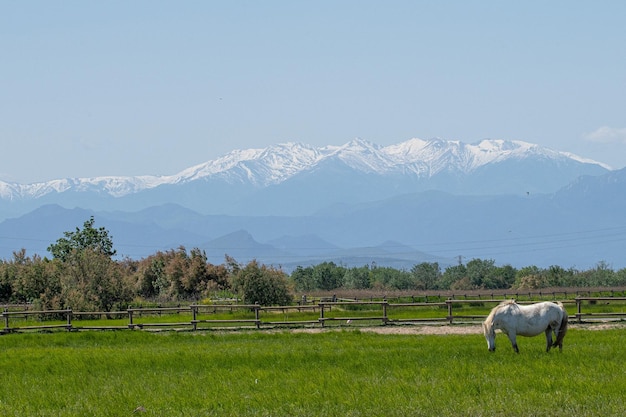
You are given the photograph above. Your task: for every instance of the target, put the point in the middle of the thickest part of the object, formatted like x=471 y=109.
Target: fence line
x=327 y=312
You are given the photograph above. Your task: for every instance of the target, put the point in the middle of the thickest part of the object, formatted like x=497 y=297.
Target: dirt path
x=445 y=329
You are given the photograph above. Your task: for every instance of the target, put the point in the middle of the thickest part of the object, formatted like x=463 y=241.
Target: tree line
x=83 y=274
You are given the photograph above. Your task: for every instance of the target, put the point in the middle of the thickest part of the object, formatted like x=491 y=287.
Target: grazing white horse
x=526 y=320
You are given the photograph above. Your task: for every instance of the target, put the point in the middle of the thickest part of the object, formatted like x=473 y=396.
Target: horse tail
x=562 y=329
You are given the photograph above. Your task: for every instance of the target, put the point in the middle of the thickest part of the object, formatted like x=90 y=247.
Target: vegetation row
x=83 y=273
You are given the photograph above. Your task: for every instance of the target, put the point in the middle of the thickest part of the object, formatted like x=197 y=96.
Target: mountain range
x=293 y=204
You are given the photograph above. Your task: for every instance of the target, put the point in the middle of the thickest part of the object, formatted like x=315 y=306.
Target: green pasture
x=331 y=373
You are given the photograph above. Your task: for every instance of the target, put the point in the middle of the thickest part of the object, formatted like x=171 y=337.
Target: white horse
x=526 y=320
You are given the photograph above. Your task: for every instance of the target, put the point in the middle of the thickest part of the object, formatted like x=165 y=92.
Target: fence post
x=69 y=319
x=6 y=320
x=321 y=306
x=194 y=316
x=578 y=309
x=449 y=304
x=256 y=315
x=131 y=326
x=385 y=319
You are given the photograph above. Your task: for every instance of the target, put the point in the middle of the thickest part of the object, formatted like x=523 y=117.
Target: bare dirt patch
x=444 y=329
x=423 y=329
x=470 y=329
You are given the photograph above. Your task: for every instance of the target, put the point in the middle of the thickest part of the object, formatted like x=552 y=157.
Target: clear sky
x=91 y=88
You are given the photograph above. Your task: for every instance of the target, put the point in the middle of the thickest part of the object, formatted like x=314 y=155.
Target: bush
x=261 y=284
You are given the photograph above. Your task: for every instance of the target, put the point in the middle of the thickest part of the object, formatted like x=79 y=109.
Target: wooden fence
x=324 y=313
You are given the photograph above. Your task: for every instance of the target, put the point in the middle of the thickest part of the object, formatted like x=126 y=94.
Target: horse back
x=534 y=319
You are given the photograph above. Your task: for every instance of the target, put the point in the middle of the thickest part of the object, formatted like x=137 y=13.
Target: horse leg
x=513 y=339
x=560 y=331
x=548 y=338
x=559 y=340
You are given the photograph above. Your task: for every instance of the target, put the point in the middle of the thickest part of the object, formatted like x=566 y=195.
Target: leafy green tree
x=602 y=275
x=7 y=279
x=402 y=280
x=303 y=279
x=89 y=279
x=387 y=277
x=504 y=277
x=26 y=279
x=528 y=278
x=426 y=275
x=620 y=278
x=357 y=278
x=154 y=282
x=261 y=284
x=98 y=240
x=328 y=276
x=452 y=276
x=556 y=276
x=35 y=277
x=481 y=273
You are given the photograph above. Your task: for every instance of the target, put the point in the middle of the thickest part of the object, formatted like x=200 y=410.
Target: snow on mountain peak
x=406 y=150
x=361 y=155
x=277 y=163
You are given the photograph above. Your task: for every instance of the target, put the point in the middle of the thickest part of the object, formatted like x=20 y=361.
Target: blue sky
x=153 y=87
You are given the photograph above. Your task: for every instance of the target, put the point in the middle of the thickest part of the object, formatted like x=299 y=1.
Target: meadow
x=286 y=373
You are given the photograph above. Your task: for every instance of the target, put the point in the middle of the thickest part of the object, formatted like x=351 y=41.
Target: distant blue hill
x=293 y=204
x=578 y=226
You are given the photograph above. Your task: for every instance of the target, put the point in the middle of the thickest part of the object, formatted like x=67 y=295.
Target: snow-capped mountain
x=277 y=163
x=293 y=204
x=293 y=178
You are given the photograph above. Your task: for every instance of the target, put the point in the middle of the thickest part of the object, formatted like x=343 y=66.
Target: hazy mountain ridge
x=400 y=231
x=293 y=204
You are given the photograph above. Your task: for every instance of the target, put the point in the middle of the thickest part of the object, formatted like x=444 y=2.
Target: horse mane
x=502 y=305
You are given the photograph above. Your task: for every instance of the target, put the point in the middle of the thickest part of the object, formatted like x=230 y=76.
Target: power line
x=532 y=243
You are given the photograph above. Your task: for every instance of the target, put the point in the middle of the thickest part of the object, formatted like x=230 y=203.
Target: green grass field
x=335 y=373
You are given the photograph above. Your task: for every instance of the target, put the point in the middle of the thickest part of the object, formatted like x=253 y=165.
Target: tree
x=328 y=276
x=504 y=276
x=89 y=278
x=557 y=276
x=529 y=278
x=602 y=275
x=35 y=277
x=620 y=277
x=481 y=273
x=452 y=276
x=91 y=281
x=426 y=275
x=357 y=278
x=89 y=237
x=303 y=279
x=261 y=284
x=382 y=277
x=400 y=280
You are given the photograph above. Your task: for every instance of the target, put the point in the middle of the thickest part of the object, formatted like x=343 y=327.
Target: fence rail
x=324 y=313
